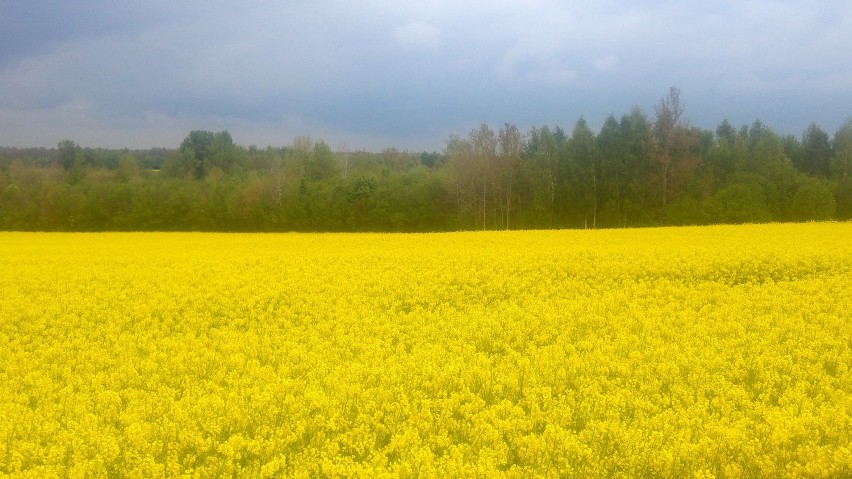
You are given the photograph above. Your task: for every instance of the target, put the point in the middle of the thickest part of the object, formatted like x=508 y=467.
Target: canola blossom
x=701 y=352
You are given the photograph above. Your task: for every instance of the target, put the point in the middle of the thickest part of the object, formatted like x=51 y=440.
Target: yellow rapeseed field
x=674 y=352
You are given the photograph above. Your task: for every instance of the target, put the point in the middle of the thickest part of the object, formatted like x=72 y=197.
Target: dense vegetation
x=635 y=171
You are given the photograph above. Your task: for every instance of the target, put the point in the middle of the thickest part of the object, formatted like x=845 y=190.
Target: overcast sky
x=377 y=73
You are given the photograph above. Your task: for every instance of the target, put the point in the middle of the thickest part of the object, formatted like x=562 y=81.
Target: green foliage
x=201 y=151
x=815 y=156
x=813 y=201
x=431 y=159
x=841 y=164
x=685 y=210
x=741 y=202
x=128 y=168
x=321 y=164
x=843 y=195
x=66 y=154
x=545 y=178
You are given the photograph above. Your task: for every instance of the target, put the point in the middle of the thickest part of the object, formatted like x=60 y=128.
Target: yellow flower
x=672 y=352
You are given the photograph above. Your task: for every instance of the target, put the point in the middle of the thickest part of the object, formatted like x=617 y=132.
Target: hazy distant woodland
x=638 y=170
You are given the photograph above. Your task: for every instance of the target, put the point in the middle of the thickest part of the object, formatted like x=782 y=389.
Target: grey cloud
x=381 y=70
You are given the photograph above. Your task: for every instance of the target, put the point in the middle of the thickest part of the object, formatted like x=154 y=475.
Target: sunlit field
x=675 y=352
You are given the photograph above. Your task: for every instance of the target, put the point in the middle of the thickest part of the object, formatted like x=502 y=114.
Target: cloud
x=606 y=64
x=418 y=35
x=381 y=70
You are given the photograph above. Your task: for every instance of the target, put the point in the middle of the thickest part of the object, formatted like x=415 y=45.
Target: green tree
x=510 y=144
x=792 y=148
x=841 y=165
x=584 y=153
x=431 y=159
x=546 y=172
x=638 y=138
x=740 y=202
x=841 y=169
x=719 y=161
x=202 y=150
x=813 y=201
x=483 y=143
x=462 y=180
x=13 y=207
x=67 y=152
x=815 y=152
x=670 y=133
x=196 y=151
x=725 y=133
x=322 y=165
x=613 y=152
x=128 y=168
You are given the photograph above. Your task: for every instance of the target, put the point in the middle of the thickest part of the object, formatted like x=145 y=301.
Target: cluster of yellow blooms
x=677 y=352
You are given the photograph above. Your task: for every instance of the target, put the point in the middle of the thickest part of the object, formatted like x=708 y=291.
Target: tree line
x=635 y=171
